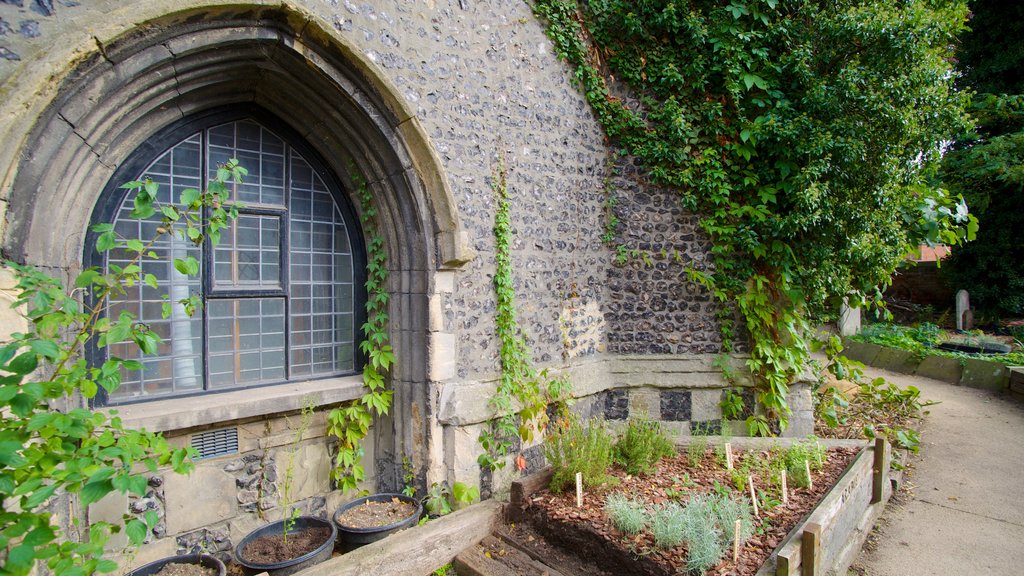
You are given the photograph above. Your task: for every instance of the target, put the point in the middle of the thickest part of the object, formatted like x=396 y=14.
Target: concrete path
x=964 y=510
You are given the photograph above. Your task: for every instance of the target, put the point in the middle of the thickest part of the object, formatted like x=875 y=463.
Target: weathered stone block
x=706 y=404
x=1017 y=379
x=443 y=356
x=896 y=360
x=645 y=402
x=310 y=467
x=111 y=508
x=985 y=374
x=202 y=498
x=677 y=405
x=940 y=368
x=863 y=352
x=705 y=427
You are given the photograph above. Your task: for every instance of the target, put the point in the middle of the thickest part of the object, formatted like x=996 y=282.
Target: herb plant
x=628 y=516
x=573 y=446
x=642 y=445
x=668 y=525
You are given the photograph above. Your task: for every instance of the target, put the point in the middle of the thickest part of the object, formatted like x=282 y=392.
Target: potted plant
x=294 y=542
x=184 y=565
x=286 y=546
x=373 y=517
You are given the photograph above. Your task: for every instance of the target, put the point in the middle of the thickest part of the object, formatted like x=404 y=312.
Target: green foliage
x=987 y=167
x=628 y=516
x=46 y=453
x=446 y=570
x=438 y=501
x=668 y=525
x=802 y=133
x=408 y=477
x=522 y=397
x=913 y=339
x=708 y=528
x=732 y=405
x=572 y=446
x=642 y=445
x=288 y=482
x=696 y=450
x=351 y=422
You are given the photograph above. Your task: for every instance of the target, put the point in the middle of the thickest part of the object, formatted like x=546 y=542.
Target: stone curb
x=970 y=372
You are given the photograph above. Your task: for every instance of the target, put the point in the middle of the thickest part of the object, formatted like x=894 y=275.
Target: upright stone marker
x=964 y=316
x=849 y=320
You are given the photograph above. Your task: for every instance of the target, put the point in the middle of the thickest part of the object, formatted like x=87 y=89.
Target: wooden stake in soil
x=728 y=456
x=878 y=471
x=736 y=542
x=810 y=549
x=579 y=490
x=785 y=489
x=753 y=496
x=810 y=481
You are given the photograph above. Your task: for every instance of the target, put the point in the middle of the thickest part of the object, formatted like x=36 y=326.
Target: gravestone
x=849 y=320
x=964 y=315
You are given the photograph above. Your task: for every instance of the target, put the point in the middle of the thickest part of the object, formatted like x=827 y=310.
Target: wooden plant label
x=579 y=490
x=736 y=542
x=728 y=456
x=753 y=496
x=785 y=489
x=810 y=481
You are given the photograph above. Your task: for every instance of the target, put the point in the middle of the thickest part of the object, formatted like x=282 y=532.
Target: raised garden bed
x=836 y=514
x=970 y=372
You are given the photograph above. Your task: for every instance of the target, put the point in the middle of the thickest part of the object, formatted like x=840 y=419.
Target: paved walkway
x=964 y=512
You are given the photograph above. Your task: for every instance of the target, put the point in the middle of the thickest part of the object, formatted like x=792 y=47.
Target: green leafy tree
x=49 y=454
x=986 y=165
x=804 y=134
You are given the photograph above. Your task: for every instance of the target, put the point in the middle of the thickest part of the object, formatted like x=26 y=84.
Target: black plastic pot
x=316 y=556
x=354 y=537
x=202 y=559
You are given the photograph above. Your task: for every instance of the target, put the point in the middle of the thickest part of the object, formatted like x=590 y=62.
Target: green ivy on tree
x=351 y=422
x=803 y=133
x=522 y=397
x=46 y=453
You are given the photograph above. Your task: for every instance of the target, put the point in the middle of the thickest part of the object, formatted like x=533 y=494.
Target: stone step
x=496 y=557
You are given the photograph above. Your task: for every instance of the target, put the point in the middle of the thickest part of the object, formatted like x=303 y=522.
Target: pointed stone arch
x=284 y=61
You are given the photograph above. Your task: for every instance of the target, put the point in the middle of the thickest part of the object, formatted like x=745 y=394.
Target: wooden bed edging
x=832 y=533
x=836 y=527
x=417 y=550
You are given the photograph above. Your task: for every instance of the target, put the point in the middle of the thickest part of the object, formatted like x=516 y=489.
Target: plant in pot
x=295 y=542
x=184 y=565
x=373 y=517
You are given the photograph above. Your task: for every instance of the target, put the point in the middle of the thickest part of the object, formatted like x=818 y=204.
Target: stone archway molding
x=73 y=113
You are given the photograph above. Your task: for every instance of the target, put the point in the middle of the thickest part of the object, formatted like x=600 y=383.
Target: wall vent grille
x=216 y=443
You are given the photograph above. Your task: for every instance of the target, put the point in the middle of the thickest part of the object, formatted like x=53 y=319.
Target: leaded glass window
x=279 y=290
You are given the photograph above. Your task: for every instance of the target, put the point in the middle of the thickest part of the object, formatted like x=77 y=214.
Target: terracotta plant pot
x=204 y=560
x=293 y=565
x=353 y=536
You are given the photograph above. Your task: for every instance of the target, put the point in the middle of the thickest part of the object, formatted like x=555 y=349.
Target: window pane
x=320 y=275
x=246 y=341
x=248 y=256
x=259 y=151
x=177 y=366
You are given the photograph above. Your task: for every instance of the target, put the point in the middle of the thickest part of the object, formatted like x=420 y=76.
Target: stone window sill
x=197 y=411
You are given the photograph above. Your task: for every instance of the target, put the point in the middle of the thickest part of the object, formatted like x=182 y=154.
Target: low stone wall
x=970 y=372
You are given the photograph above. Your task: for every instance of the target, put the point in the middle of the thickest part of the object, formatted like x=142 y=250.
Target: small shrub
x=572 y=447
x=727 y=512
x=628 y=516
x=642 y=445
x=708 y=522
x=667 y=525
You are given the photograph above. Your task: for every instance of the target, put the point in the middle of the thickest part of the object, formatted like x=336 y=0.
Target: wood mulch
x=272 y=548
x=372 y=514
x=589 y=533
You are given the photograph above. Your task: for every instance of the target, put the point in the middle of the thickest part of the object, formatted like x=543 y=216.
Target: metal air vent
x=216 y=442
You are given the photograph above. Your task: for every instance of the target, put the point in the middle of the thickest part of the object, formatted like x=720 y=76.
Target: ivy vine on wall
x=805 y=134
x=523 y=394
x=351 y=422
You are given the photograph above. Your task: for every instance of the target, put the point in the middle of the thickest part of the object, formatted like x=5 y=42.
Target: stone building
x=419 y=98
